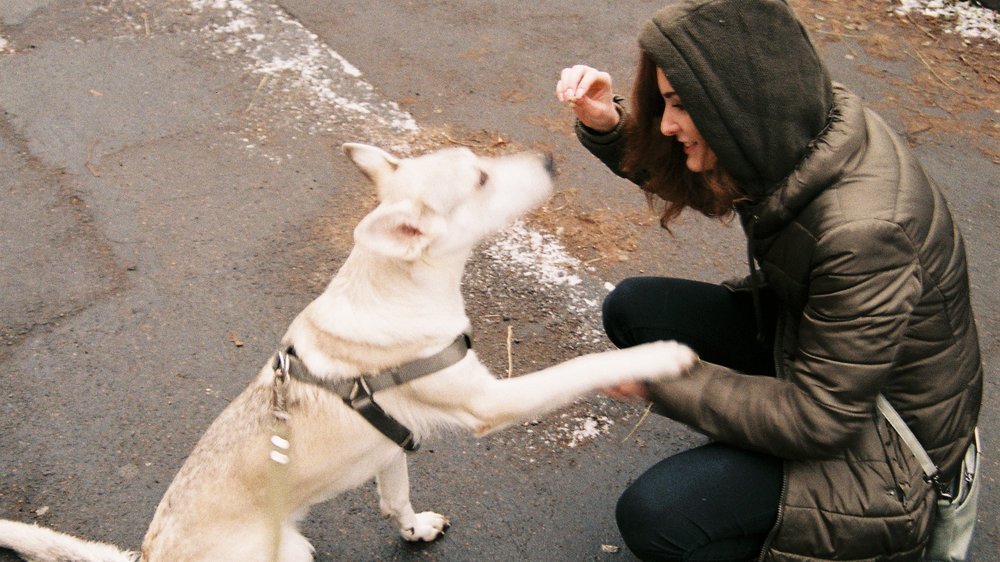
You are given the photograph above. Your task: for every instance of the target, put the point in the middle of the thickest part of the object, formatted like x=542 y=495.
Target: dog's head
x=446 y=201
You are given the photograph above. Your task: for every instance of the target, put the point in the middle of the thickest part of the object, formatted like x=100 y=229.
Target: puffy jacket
x=869 y=267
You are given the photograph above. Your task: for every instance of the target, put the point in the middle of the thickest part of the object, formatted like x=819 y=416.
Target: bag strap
x=892 y=416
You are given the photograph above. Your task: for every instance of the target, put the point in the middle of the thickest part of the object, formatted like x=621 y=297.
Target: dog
x=295 y=437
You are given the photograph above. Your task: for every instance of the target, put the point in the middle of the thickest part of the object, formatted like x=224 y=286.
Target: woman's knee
x=640 y=515
x=624 y=308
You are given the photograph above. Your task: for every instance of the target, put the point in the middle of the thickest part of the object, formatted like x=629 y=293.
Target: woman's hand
x=627 y=390
x=589 y=92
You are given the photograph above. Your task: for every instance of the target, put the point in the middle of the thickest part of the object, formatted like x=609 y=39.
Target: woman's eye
x=483 y=178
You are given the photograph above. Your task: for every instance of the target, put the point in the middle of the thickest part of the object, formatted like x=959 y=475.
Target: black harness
x=358 y=392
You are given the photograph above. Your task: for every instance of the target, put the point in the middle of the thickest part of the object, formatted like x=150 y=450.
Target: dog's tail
x=38 y=544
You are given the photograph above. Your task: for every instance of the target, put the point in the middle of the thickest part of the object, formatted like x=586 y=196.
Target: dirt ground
x=956 y=76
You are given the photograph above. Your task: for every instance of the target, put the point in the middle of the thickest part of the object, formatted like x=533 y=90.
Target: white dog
x=325 y=416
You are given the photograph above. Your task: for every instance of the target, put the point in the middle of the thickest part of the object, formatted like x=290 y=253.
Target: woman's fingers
x=589 y=92
x=627 y=390
x=578 y=81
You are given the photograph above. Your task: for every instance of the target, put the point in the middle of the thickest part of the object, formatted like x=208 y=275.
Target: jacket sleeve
x=607 y=147
x=863 y=285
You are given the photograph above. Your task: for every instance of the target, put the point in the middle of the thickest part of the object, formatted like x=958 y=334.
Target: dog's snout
x=550 y=163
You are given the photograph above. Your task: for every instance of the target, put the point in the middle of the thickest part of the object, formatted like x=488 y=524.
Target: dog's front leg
x=394 y=500
x=506 y=401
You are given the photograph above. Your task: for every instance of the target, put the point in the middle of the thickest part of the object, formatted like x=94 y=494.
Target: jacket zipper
x=778 y=370
x=754 y=289
x=779 y=374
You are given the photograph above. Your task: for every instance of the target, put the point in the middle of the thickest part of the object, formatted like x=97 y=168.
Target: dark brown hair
x=660 y=163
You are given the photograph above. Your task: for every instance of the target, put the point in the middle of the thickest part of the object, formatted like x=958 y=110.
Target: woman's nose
x=668 y=126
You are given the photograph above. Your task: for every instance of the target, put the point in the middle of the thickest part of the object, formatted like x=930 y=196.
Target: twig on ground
x=642 y=418
x=918 y=26
x=921 y=58
x=510 y=354
x=839 y=34
x=256 y=93
x=89 y=164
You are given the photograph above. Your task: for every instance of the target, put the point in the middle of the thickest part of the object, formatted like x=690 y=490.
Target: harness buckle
x=282 y=365
x=361 y=401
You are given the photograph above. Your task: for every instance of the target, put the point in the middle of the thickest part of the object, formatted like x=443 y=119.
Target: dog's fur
x=397 y=297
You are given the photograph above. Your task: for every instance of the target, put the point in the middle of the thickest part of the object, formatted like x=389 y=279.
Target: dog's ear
x=399 y=230
x=371 y=160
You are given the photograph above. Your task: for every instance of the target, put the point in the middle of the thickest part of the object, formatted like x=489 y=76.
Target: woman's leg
x=719 y=324
x=715 y=502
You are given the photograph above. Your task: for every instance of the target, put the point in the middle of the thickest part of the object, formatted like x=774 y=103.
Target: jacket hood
x=833 y=153
x=750 y=78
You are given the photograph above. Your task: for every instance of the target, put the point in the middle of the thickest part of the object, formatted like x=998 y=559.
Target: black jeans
x=717 y=501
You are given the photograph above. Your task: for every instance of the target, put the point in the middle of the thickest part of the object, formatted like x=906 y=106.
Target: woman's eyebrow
x=668 y=95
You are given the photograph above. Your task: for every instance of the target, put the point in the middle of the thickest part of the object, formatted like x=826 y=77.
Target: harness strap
x=380 y=420
x=420 y=367
x=358 y=393
x=298 y=371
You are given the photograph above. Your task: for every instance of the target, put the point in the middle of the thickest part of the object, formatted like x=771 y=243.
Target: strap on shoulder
x=897 y=423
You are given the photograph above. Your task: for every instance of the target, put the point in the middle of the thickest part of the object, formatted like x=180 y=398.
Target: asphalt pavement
x=174 y=192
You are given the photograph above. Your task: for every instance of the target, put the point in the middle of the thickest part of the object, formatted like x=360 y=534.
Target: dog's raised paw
x=428 y=526
x=663 y=359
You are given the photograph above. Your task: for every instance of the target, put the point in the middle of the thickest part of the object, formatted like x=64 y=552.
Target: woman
x=861 y=289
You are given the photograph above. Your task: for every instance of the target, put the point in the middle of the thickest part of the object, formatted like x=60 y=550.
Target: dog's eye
x=483 y=178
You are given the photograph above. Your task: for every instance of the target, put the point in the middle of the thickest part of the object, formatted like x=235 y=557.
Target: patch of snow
x=592 y=427
x=541 y=255
x=280 y=48
x=965 y=18
x=3 y=43
x=543 y=258
x=572 y=431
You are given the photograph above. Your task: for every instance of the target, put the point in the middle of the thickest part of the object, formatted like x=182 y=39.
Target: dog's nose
x=550 y=163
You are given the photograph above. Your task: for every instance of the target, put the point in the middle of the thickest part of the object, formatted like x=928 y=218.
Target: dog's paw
x=661 y=360
x=427 y=527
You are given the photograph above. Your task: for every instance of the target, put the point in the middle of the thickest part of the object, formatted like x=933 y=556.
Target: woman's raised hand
x=589 y=92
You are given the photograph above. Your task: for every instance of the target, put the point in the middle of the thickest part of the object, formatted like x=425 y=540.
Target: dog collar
x=358 y=393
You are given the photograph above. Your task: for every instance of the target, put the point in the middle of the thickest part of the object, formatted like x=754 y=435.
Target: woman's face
x=677 y=123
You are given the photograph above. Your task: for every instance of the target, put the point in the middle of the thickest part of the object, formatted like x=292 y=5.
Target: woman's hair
x=660 y=163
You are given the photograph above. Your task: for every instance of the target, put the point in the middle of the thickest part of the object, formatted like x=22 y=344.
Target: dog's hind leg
x=394 y=500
